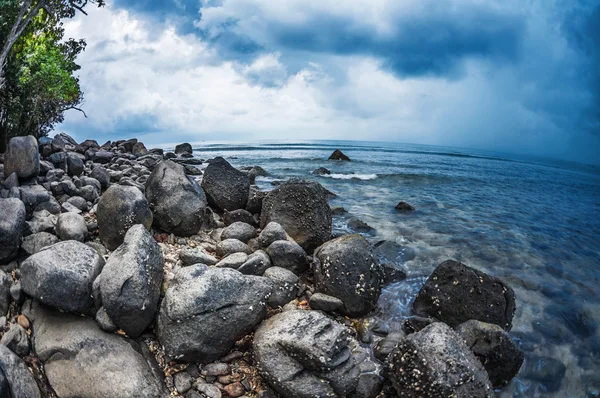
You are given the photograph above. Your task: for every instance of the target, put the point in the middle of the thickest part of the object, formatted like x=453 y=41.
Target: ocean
x=533 y=222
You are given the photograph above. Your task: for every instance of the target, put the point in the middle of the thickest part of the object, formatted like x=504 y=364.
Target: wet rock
x=130 y=281
x=240 y=231
x=36 y=242
x=403 y=206
x=323 y=302
x=285 y=285
x=358 y=225
x=550 y=372
x=119 y=208
x=12 y=223
x=338 y=155
x=5 y=283
x=435 y=362
x=415 y=324
x=305 y=354
x=75 y=352
x=455 y=293
x=234 y=260
x=256 y=264
x=190 y=256
x=391 y=274
x=346 y=268
x=16 y=340
x=289 y=255
x=270 y=233
x=494 y=348
x=22 y=157
x=71 y=226
x=177 y=202
x=205 y=311
x=301 y=208
x=226 y=187
x=62 y=275
x=230 y=246
x=183 y=148
x=321 y=171
x=15 y=378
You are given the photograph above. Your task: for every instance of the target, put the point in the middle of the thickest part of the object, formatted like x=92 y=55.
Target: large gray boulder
x=271 y=233
x=71 y=226
x=177 y=202
x=205 y=311
x=302 y=209
x=119 y=209
x=5 y=283
x=101 y=175
x=346 y=268
x=12 y=222
x=436 y=362
x=130 y=281
x=32 y=196
x=62 y=276
x=494 y=348
x=226 y=187
x=455 y=293
x=305 y=354
x=15 y=379
x=22 y=157
x=78 y=357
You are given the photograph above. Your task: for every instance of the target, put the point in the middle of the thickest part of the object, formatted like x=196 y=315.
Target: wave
x=337 y=176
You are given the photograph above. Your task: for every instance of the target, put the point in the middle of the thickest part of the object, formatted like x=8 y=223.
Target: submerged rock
x=403 y=206
x=455 y=293
x=338 y=155
x=226 y=187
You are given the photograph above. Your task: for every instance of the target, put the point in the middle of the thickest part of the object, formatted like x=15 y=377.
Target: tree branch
x=79 y=7
x=77 y=109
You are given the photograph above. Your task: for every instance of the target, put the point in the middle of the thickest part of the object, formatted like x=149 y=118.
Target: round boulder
x=119 y=209
x=226 y=187
x=22 y=157
x=240 y=231
x=12 y=222
x=71 y=226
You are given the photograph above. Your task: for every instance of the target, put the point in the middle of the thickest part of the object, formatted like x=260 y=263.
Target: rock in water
x=12 y=222
x=305 y=354
x=177 y=202
x=183 y=148
x=226 y=187
x=62 y=276
x=493 y=347
x=403 y=206
x=18 y=380
x=119 y=209
x=338 y=155
x=346 y=268
x=76 y=353
x=22 y=157
x=130 y=281
x=205 y=311
x=455 y=293
x=301 y=208
x=434 y=363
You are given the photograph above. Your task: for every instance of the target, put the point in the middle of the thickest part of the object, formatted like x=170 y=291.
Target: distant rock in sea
x=339 y=155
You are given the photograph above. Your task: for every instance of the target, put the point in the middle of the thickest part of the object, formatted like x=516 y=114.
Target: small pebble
x=232 y=356
x=23 y=321
x=183 y=382
x=215 y=369
x=209 y=390
x=235 y=390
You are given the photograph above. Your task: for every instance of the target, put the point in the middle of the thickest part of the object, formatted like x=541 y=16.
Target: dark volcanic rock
x=15 y=379
x=101 y=174
x=500 y=357
x=22 y=157
x=305 y=354
x=230 y=246
x=455 y=293
x=76 y=355
x=346 y=268
x=289 y=255
x=62 y=275
x=130 y=281
x=189 y=256
x=301 y=208
x=240 y=231
x=271 y=233
x=75 y=165
x=321 y=171
x=5 y=283
x=338 y=155
x=256 y=264
x=12 y=222
x=226 y=187
x=240 y=215
x=255 y=200
x=71 y=226
x=102 y=157
x=403 y=206
x=285 y=285
x=183 y=148
x=119 y=209
x=177 y=202
x=435 y=362
x=205 y=311
x=139 y=149
x=323 y=302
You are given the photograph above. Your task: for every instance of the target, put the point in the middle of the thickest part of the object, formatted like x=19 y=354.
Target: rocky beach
x=135 y=272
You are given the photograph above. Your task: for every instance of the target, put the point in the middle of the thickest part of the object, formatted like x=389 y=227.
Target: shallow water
x=532 y=222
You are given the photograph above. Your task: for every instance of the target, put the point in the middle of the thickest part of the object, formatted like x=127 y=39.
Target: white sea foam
x=351 y=176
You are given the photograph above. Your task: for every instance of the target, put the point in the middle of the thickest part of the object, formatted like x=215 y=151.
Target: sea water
x=535 y=223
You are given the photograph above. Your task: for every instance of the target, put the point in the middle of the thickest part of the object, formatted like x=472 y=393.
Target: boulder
x=130 y=281
x=234 y=261
x=78 y=357
x=33 y=195
x=22 y=157
x=12 y=223
x=270 y=233
x=346 y=268
x=256 y=264
x=78 y=202
x=5 y=283
x=403 y=206
x=338 y=155
x=16 y=340
x=101 y=174
x=289 y=255
x=139 y=149
x=455 y=293
x=285 y=285
x=183 y=148
x=226 y=187
x=240 y=231
x=301 y=208
x=205 y=311
x=71 y=226
x=230 y=246
x=62 y=276
x=177 y=202
x=36 y=242
x=305 y=354
x=189 y=256
x=239 y=215
x=321 y=171
x=435 y=362
x=102 y=157
x=323 y=302
x=75 y=165
x=119 y=208
x=89 y=193
x=255 y=200
x=15 y=378
x=494 y=348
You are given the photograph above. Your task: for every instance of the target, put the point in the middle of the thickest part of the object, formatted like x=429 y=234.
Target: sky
x=517 y=76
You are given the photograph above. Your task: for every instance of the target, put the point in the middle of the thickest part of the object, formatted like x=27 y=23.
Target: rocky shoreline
x=128 y=272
